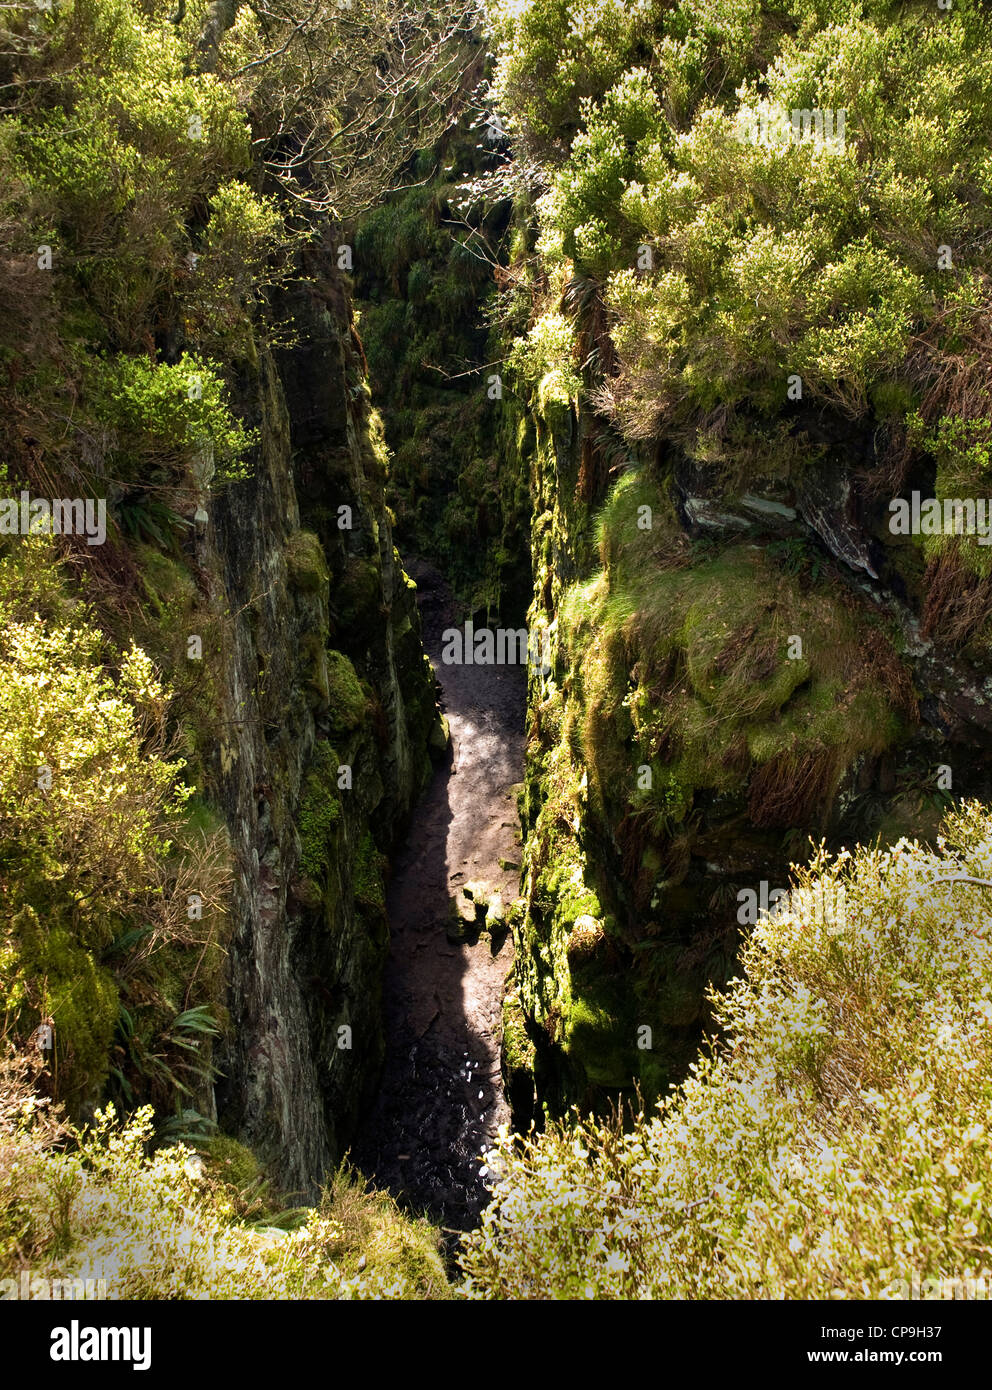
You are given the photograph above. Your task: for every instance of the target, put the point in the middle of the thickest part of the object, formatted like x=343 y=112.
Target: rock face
x=327 y=711
x=753 y=669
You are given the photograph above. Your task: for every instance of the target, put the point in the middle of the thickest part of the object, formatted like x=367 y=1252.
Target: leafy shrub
x=161 y=414
x=766 y=259
x=94 y=869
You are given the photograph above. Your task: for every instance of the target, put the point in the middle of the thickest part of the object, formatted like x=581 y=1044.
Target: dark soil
x=441 y=1097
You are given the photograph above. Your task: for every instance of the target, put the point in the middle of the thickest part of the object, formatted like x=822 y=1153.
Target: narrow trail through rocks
x=441 y=1096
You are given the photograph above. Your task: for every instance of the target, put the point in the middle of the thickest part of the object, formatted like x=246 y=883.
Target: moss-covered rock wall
x=326 y=705
x=742 y=348
x=728 y=685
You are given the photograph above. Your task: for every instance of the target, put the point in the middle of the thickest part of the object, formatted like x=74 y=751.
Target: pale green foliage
x=241 y=257
x=768 y=258
x=89 y=805
x=59 y=709
x=239 y=216
x=160 y=413
x=129 y=139
x=834 y=1142
x=552 y=53
x=546 y=357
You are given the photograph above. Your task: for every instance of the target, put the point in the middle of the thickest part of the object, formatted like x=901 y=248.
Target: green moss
x=233 y=1163
x=320 y=813
x=201 y=818
x=306 y=562
x=52 y=975
x=167 y=584
x=720 y=639
x=375 y=450
x=600 y=1043
x=173 y=612
x=367 y=880
x=518 y=1049
x=314 y=670
x=348 y=703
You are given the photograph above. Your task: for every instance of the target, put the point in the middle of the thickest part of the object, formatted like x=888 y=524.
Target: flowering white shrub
x=833 y=1143
x=164 y=1227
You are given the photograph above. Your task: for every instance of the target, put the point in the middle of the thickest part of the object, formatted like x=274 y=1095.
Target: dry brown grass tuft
x=955 y=381
x=795 y=787
x=894 y=457
x=957 y=601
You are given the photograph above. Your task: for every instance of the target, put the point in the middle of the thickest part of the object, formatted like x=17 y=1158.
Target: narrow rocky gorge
x=352 y=322
x=441 y=1098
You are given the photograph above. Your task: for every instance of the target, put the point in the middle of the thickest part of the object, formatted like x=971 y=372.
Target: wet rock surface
x=441 y=1097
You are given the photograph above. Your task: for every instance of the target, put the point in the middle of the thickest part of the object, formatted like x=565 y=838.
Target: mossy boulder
x=238 y=1172
x=306 y=563
x=346 y=698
